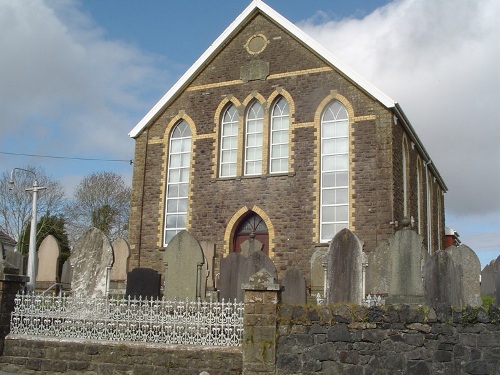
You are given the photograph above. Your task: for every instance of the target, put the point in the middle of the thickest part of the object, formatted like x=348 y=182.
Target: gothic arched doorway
x=251 y=227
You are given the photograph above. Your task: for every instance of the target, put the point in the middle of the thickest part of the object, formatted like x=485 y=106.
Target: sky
x=77 y=76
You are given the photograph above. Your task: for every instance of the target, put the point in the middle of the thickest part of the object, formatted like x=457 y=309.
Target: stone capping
x=361 y=317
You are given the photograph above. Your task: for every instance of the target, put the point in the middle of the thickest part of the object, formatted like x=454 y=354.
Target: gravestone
x=184 y=271
x=345 y=273
x=294 y=288
x=230 y=269
x=442 y=284
x=395 y=268
x=48 y=262
x=91 y=260
x=318 y=271
x=252 y=264
x=118 y=275
x=251 y=246
x=209 y=253
x=488 y=278
x=143 y=283
x=497 y=282
x=16 y=259
x=470 y=266
x=66 y=275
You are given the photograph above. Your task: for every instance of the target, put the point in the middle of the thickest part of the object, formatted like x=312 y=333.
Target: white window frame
x=178 y=174
x=254 y=129
x=279 y=115
x=334 y=197
x=229 y=142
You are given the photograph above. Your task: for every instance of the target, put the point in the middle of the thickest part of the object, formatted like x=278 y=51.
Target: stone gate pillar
x=262 y=294
x=10 y=284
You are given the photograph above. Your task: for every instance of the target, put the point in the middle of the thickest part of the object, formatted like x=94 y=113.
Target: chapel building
x=269 y=136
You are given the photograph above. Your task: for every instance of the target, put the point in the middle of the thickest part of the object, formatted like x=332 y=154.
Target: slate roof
x=5 y=239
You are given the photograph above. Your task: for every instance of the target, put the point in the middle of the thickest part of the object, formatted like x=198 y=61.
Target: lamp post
x=31 y=272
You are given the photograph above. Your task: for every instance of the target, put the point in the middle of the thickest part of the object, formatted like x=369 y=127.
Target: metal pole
x=30 y=286
x=31 y=271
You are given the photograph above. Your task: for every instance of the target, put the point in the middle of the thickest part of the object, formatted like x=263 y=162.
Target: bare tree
x=101 y=200
x=16 y=202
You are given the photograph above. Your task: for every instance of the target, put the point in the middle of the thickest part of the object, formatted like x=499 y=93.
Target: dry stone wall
x=348 y=339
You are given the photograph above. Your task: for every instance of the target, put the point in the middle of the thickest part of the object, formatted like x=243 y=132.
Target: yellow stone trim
x=164 y=166
x=215 y=85
x=272 y=76
x=304 y=125
x=334 y=95
x=300 y=72
x=217 y=121
x=155 y=141
x=231 y=228
x=365 y=118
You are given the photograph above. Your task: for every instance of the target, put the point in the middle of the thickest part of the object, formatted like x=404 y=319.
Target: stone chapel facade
x=267 y=135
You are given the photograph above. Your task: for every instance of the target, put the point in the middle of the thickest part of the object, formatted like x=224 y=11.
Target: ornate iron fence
x=126 y=319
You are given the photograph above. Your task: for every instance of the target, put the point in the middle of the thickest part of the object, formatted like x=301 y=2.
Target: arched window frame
x=334 y=151
x=228 y=158
x=279 y=136
x=254 y=134
x=419 y=196
x=406 y=178
x=178 y=174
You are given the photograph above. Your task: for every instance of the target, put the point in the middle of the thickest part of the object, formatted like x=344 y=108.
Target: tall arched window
x=405 y=178
x=419 y=196
x=179 y=159
x=280 y=125
x=229 y=142
x=253 y=139
x=334 y=171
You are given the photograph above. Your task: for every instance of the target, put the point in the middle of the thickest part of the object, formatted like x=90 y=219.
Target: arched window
x=250 y=228
x=334 y=171
x=419 y=196
x=405 y=178
x=179 y=158
x=254 y=128
x=229 y=142
x=280 y=124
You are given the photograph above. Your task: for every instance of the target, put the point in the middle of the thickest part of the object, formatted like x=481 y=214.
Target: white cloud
x=65 y=83
x=439 y=59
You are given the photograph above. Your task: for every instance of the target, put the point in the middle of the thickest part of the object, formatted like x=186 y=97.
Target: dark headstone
x=442 y=283
x=254 y=263
x=488 y=275
x=230 y=268
x=345 y=272
x=294 y=288
x=497 y=282
x=143 y=283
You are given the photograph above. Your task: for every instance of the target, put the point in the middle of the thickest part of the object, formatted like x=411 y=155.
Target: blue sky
x=76 y=76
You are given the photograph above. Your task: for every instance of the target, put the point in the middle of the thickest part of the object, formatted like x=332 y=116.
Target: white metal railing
x=374 y=300
x=126 y=319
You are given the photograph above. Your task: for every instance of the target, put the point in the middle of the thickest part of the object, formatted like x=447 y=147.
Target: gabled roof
x=240 y=21
x=236 y=25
